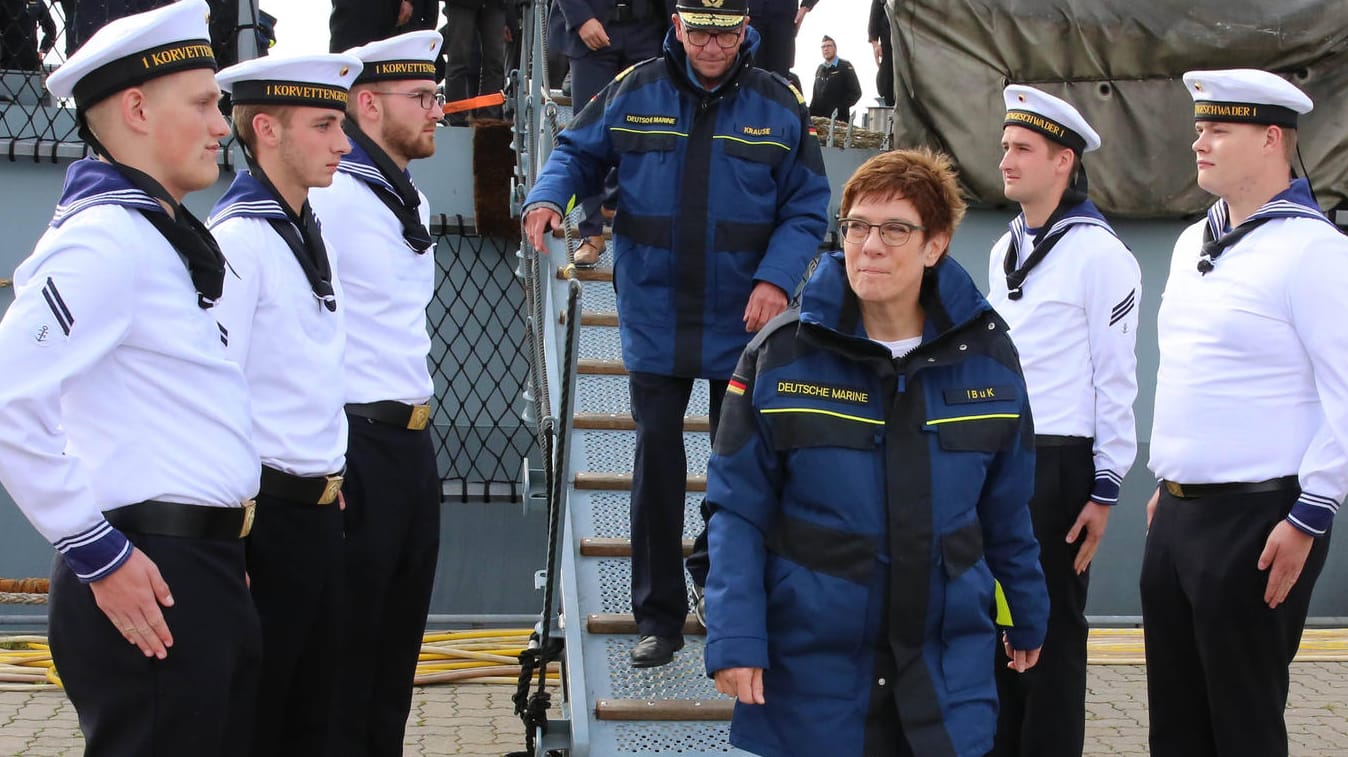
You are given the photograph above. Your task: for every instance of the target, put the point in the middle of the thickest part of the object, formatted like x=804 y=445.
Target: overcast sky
x=302 y=27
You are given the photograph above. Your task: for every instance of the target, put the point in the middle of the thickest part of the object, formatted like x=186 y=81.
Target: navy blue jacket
x=863 y=503
x=716 y=191
x=567 y=16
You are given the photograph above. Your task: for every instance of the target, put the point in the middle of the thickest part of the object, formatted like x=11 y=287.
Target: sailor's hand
x=1283 y=557
x=1151 y=506
x=745 y=684
x=593 y=34
x=130 y=596
x=766 y=302
x=537 y=222
x=800 y=16
x=1093 y=519
x=404 y=13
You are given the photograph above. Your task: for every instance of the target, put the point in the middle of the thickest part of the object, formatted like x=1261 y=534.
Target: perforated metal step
x=608 y=394
x=613 y=451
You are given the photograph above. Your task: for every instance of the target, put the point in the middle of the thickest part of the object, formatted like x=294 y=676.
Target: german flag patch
x=736 y=387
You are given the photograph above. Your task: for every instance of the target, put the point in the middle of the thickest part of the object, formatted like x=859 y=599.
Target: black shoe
x=700 y=606
x=654 y=651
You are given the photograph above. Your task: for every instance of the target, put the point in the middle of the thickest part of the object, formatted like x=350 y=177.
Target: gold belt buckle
x=421 y=415
x=331 y=490
x=1175 y=489
x=249 y=511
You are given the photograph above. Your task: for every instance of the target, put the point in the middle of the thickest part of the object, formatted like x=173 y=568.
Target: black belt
x=185 y=521
x=623 y=13
x=1189 y=491
x=316 y=490
x=1053 y=440
x=400 y=414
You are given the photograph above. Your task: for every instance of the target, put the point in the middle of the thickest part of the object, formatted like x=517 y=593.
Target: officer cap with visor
x=712 y=15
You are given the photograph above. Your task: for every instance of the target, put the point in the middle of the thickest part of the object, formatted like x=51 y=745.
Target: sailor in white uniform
x=283 y=309
x=1251 y=428
x=1069 y=289
x=375 y=221
x=124 y=427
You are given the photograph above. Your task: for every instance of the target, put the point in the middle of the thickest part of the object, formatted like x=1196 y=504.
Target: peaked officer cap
x=712 y=14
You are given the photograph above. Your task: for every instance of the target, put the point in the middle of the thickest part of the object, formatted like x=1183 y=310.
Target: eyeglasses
x=700 y=38
x=426 y=98
x=892 y=233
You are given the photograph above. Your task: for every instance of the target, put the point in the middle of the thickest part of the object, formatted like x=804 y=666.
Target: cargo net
x=480 y=362
x=33 y=43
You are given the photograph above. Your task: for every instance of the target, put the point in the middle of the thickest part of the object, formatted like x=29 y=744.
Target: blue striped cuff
x=94 y=552
x=1313 y=513
x=1106 y=490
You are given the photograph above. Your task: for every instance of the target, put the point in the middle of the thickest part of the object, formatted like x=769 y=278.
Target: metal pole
x=245 y=30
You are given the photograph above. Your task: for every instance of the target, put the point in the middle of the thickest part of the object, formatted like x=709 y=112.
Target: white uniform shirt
x=1253 y=377
x=387 y=288
x=289 y=345
x=116 y=385
x=1075 y=327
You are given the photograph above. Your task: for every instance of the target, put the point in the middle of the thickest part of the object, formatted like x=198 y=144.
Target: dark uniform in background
x=20 y=48
x=124 y=427
x=474 y=25
x=835 y=85
x=879 y=34
x=776 y=22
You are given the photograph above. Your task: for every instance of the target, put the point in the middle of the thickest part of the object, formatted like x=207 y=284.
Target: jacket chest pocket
x=638 y=141
x=984 y=431
x=764 y=152
x=796 y=428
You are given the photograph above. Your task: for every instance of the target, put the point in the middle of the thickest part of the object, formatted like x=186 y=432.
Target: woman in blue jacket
x=870 y=480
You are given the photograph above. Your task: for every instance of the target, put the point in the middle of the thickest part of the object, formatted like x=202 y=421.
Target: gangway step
x=588 y=274
x=623 y=482
x=626 y=623
x=664 y=710
x=593 y=367
x=606 y=319
x=625 y=422
x=594 y=546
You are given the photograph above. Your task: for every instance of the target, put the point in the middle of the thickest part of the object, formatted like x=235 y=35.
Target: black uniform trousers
x=197 y=701
x=467 y=29
x=777 y=41
x=392 y=525
x=1042 y=711
x=659 y=480
x=1217 y=656
x=295 y=566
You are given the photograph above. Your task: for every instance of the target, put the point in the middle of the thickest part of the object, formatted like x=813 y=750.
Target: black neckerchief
x=302 y=235
x=188 y=236
x=1213 y=248
x=404 y=201
x=1044 y=242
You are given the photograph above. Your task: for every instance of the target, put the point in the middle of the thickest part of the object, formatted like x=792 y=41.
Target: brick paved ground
x=475 y=720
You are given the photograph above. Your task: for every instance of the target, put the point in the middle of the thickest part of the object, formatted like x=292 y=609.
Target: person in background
x=870 y=480
x=20 y=49
x=358 y=22
x=777 y=22
x=474 y=25
x=882 y=46
x=836 y=88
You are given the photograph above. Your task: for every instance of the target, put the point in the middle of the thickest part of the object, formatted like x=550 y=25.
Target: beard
x=408 y=140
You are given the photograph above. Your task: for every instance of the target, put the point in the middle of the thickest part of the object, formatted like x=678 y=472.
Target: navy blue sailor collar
x=246 y=197
x=359 y=164
x=1294 y=202
x=91 y=182
x=1083 y=212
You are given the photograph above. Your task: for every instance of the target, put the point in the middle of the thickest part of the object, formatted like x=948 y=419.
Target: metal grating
x=600 y=343
x=615 y=587
x=684 y=678
x=673 y=738
x=598 y=296
x=608 y=394
x=613 y=451
x=610 y=515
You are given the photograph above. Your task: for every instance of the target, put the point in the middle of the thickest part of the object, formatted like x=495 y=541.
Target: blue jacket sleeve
x=582 y=157
x=1008 y=537
x=802 y=212
x=743 y=485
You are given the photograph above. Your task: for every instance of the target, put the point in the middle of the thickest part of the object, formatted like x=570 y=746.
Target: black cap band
x=138 y=68
x=289 y=93
x=1245 y=113
x=1046 y=126
x=390 y=70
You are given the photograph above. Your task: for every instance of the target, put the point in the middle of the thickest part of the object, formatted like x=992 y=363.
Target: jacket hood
x=948 y=297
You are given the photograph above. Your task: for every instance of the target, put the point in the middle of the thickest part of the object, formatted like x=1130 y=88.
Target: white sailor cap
x=1246 y=95
x=406 y=56
x=1051 y=116
x=319 y=81
x=135 y=49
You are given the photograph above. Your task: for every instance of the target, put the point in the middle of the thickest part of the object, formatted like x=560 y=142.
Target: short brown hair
x=242 y=116
x=1289 y=142
x=923 y=177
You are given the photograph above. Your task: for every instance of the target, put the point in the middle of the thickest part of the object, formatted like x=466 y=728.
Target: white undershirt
x=901 y=347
